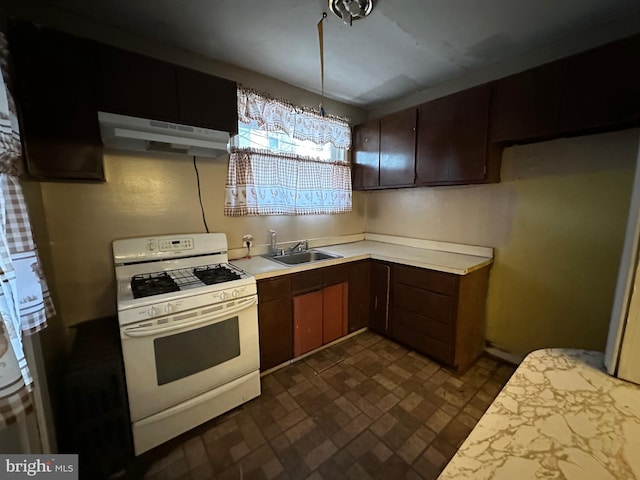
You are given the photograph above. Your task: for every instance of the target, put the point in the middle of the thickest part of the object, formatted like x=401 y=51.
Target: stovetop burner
x=146 y=285
x=212 y=274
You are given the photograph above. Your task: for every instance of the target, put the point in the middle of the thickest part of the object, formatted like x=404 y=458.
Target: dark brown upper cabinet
x=141 y=86
x=452 y=138
x=136 y=85
x=398 y=149
x=366 y=155
x=526 y=105
x=600 y=88
x=56 y=98
x=589 y=92
x=207 y=101
x=384 y=151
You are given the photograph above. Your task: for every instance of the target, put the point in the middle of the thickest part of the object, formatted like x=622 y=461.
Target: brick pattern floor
x=366 y=408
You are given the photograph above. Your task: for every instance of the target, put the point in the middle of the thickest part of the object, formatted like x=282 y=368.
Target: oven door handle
x=136 y=332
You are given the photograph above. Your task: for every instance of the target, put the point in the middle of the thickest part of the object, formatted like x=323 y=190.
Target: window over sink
x=287 y=160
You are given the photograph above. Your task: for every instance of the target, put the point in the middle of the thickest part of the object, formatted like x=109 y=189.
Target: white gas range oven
x=189 y=331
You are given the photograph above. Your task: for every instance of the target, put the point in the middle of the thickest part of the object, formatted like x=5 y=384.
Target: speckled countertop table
x=560 y=416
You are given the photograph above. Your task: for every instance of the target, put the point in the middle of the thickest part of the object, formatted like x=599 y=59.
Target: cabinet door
x=276 y=336
x=601 y=89
x=366 y=155
x=452 y=138
x=380 y=286
x=207 y=101
x=307 y=322
x=137 y=85
x=275 y=321
x=56 y=97
x=525 y=106
x=359 y=287
x=334 y=312
x=398 y=148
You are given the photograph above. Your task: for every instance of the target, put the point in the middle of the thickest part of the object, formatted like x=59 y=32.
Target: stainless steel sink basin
x=302 y=257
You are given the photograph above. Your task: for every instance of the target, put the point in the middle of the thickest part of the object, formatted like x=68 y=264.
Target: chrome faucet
x=274 y=245
x=301 y=246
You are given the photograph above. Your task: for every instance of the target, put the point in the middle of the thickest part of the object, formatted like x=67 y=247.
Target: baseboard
x=505 y=355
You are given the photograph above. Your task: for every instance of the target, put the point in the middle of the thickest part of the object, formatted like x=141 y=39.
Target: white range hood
x=122 y=132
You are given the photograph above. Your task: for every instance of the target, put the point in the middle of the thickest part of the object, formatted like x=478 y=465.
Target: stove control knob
x=151 y=246
x=168 y=308
x=234 y=294
x=152 y=312
x=224 y=296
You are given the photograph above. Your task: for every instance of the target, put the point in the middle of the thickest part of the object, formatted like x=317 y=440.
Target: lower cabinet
x=302 y=311
x=440 y=314
x=335 y=305
x=307 y=322
x=319 y=317
x=359 y=287
x=275 y=321
x=379 y=297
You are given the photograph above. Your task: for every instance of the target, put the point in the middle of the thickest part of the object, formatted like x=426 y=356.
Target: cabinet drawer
x=335 y=274
x=273 y=288
x=306 y=281
x=424 y=279
x=423 y=343
x=433 y=305
x=438 y=330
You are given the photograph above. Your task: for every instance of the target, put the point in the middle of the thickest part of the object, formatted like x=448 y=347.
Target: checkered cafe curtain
x=266 y=182
x=25 y=303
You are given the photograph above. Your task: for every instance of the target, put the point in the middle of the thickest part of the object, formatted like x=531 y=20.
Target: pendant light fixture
x=349 y=10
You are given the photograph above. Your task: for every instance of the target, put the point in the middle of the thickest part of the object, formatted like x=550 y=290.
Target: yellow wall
x=557 y=223
x=150 y=195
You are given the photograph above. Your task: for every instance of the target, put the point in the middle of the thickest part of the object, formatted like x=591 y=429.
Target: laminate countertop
x=459 y=259
x=560 y=416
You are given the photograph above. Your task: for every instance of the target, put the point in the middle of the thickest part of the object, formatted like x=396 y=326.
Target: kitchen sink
x=298 y=258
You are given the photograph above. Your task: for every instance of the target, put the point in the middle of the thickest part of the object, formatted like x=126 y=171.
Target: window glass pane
x=252 y=137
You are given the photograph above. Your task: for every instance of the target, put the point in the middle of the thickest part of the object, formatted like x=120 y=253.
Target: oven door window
x=186 y=353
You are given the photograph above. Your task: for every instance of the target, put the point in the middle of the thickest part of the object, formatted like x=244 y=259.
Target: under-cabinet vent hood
x=122 y=132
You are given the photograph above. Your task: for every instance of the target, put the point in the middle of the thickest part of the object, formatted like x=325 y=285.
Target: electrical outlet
x=247 y=239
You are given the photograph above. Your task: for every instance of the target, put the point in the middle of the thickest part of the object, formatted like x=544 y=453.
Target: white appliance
x=622 y=356
x=122 y=132
x=189 y=331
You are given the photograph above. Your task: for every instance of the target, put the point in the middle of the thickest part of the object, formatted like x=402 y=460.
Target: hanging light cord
x=204 y=219
x=321 y=41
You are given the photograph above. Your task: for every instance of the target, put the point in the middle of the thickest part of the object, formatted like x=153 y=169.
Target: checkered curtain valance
x=263 y=183
x=303 y=123
x=271 y=181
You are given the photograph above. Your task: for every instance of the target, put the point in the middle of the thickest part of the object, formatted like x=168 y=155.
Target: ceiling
x=403 y=47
